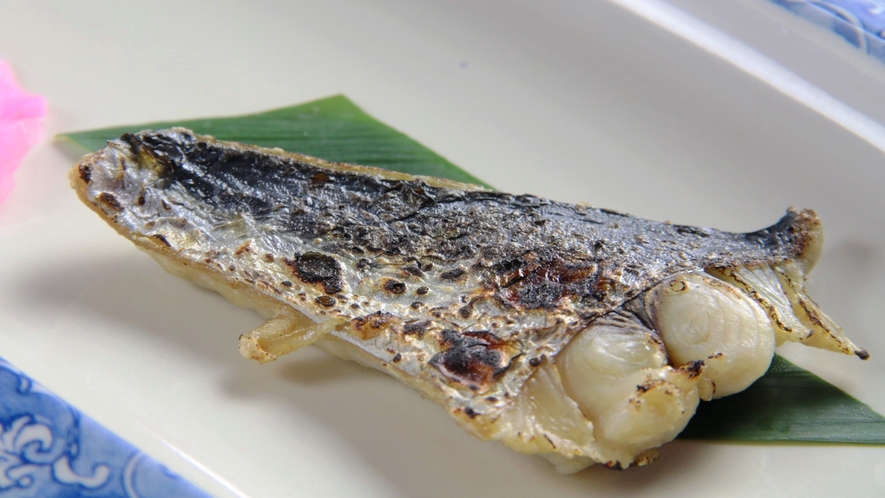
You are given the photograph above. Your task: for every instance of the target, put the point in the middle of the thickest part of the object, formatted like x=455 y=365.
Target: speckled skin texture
x=459 y=291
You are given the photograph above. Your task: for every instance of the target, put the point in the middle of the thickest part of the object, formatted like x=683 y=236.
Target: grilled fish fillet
x=584 y=335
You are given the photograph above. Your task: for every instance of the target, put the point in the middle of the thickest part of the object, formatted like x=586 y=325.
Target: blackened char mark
x=163 y=159
x=416 y=328
x=475 y=359
x=401 y=201
x=452 y=275
x=543 y=279
x=413 y=270
x=796 y=230
x=162 y=240
x=85 y=174
x=110 y=201
x=237 y=181
x=318 y=268
x=394 y=286
x=371 y=326
x=326 y=301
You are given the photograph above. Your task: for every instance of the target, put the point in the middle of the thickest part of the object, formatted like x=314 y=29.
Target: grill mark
x=317 y=268
x=474 y=359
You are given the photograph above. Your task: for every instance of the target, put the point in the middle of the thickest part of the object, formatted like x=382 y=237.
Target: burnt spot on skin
x=268 y=258
x=320 y=178
x=422 y=290
x=452 y=275
x=535 y=361
x=474 y=359
x=397 y=358
x=413 y=270
x=394 y=286
x=694 y=368
x=85 y=174
x=465 y=311
x=417 y=328
x=162 y=239
x=243 y=249
x=159 y=160
x=141 y=200
x=318 y=268
x=110 y=201
x=326 y=301
x=371 y=326
x=417 y=305
x=544 y=279
x=286 y=283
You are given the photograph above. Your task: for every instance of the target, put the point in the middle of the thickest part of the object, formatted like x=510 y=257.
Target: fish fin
x=826 y=334
x=765 y=287
x=780 y=289
x=283 y=334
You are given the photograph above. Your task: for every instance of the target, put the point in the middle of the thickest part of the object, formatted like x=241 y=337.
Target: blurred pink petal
x=21 y=125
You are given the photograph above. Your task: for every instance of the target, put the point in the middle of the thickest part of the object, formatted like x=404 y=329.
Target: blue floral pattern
x=860 y=22
x=48 y=449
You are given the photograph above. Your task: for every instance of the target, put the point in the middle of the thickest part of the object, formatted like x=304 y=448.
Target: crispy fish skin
x=458 y=291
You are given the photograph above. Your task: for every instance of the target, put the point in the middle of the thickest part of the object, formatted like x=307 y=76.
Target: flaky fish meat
x=583 y=335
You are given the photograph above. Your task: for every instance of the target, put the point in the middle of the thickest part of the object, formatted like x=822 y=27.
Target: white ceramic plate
x=578 y=101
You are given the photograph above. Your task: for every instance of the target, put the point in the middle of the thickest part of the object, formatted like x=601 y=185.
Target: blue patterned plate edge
x=859 y=22
x=49 y=449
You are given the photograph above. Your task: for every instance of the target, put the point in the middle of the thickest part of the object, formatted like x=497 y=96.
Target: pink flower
x=21 y=125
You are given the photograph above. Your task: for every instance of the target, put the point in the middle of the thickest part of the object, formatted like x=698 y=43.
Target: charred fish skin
x=533 y=252
x=463 y=293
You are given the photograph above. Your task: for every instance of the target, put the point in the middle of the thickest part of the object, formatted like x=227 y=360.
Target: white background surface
x=576 y=101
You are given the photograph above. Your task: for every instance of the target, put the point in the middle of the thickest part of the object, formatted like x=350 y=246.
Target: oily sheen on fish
x=466 y=294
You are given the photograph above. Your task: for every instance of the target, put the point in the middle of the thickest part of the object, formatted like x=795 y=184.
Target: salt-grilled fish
x=581 y=334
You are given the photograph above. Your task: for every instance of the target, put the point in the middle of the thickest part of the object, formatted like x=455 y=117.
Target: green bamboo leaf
x=787 y=404
x=332 y=128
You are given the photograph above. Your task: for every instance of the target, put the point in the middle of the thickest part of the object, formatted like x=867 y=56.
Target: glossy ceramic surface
x=718 y=114
x=48 y=448
x=860 y=22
